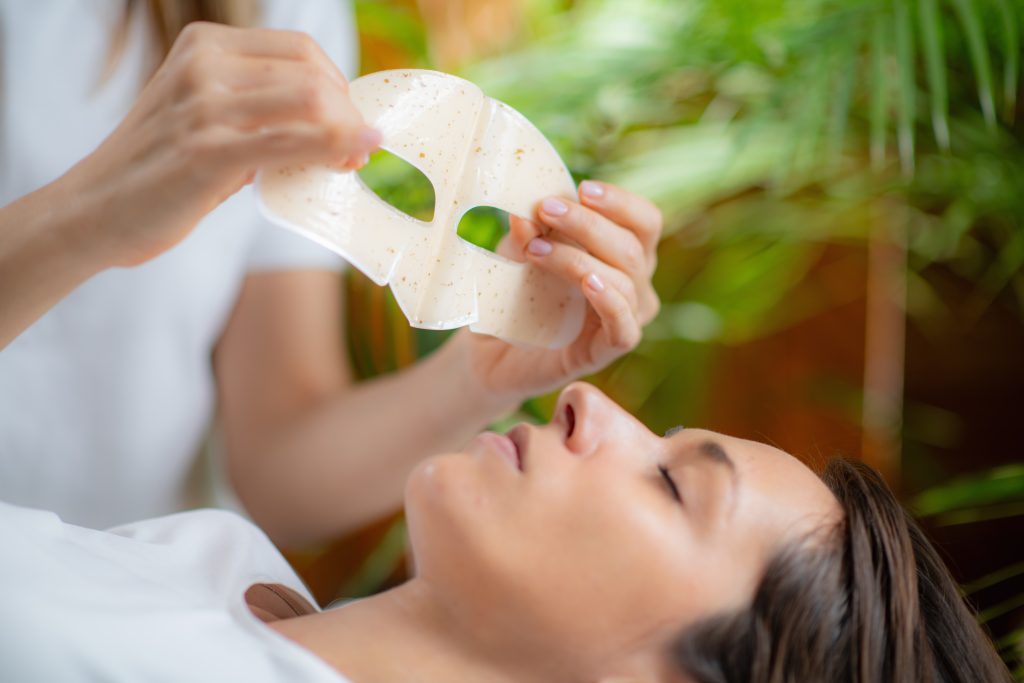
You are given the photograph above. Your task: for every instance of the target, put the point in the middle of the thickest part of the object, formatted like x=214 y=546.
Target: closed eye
x=671 y=483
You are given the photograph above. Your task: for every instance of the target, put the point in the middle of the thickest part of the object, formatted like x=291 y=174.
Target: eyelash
x=671 y=483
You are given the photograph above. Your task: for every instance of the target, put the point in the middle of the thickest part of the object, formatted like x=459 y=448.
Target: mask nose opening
x=483 y=226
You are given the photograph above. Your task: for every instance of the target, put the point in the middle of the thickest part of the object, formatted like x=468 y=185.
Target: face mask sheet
x=476 y=151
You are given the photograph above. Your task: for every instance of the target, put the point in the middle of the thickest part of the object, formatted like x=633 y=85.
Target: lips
x=504 y=446
x=518 y=435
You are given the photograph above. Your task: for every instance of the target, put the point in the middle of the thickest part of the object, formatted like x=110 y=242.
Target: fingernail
x=554 y=207
x=539 y=247
x=594 y=282
x=370 y=138
x=591 y=189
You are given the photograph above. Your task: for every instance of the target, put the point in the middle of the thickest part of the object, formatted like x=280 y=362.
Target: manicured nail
x=591 y=189
x=370 y=138
x=554 y=207
x=539 y=247
x=594 y=282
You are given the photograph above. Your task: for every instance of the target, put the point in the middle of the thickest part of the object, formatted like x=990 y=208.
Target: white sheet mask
x=476 y=151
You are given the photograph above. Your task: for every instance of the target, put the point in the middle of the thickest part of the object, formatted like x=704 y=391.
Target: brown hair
x=872 y=603
x=171 y=16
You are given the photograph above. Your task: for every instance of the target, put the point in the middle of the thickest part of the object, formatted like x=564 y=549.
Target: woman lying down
x=585 y=550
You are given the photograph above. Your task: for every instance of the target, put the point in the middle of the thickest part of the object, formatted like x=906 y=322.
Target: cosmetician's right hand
x=224 y=102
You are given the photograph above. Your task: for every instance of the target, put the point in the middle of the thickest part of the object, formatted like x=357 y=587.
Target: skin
x=582 y=565
x=225 y=102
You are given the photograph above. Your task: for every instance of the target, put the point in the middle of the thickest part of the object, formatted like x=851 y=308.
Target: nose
x=589 y=418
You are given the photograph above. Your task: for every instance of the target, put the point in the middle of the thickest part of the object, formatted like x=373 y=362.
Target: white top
x=105 y=400
x=160 y=600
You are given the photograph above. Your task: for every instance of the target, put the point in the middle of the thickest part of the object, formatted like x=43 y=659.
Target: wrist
x=455 y=365
x=79 y=226
x=53 y=231
x=41 y=260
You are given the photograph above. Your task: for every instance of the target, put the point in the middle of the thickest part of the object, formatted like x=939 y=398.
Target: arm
x=223 y=103
x=42 y=256
x=312 y=455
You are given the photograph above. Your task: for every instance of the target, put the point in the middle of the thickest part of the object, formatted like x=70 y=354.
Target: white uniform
x=105 y=400
x=160 y=600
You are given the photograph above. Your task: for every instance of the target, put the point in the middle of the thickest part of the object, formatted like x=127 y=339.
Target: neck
x=404 y=635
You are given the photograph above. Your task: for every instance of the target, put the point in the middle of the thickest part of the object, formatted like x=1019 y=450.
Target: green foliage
x=769 y=120
x=767 y=130
x=989 y=495
x=996 y=494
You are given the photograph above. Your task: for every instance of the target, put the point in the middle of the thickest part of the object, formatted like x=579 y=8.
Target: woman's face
x=571 y=538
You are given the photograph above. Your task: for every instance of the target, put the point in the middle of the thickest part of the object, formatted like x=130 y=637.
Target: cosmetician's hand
x=605 y=245
x=224 y=102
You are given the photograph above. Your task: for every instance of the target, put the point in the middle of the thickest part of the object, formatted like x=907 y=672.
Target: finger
x=299 y=102
x=629 y=210
x=244 y=72
x=276 y=108
x=289 y=45
x=598 y=235
x=278 y=104
x=573 y=264
x=508 y=248
x=283 y=144
x=521 y=231
x=257 y=42
x=619 y=325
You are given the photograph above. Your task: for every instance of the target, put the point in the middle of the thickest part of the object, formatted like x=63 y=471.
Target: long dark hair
x=868 y=601
x=168 y=18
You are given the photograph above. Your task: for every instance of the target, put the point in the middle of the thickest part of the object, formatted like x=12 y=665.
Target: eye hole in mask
x=475 y=151
x=398 y=183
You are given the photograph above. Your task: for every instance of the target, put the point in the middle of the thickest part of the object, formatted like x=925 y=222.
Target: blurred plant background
x=842 y=269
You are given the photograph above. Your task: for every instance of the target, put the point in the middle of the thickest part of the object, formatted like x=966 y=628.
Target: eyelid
x=670 y=482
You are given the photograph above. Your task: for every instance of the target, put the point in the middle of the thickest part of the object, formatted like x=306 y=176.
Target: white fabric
x=160 y=600
x=105 y=400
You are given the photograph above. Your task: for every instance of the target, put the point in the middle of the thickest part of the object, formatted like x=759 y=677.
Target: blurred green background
x=842 y=268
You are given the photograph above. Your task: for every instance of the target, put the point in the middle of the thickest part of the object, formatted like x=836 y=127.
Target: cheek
x=600 y=570
x=439 y=496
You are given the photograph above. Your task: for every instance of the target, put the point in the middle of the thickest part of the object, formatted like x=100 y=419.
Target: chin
x=436 y=480
x=450 y=531
x=439 y=496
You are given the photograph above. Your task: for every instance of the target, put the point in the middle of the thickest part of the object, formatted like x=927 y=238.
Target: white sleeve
x=331 y=23
x=158 y=600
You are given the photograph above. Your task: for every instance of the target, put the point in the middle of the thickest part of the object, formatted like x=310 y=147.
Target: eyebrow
x=709 y=449
x=714 y=451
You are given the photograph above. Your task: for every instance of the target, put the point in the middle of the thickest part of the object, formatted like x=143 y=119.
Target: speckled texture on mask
x=476 y=151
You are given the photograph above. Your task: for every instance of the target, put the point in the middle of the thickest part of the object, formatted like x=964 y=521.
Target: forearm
x=42 y=255
x=345 y=462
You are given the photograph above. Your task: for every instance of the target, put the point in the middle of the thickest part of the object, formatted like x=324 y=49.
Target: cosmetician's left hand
x=605 y=245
